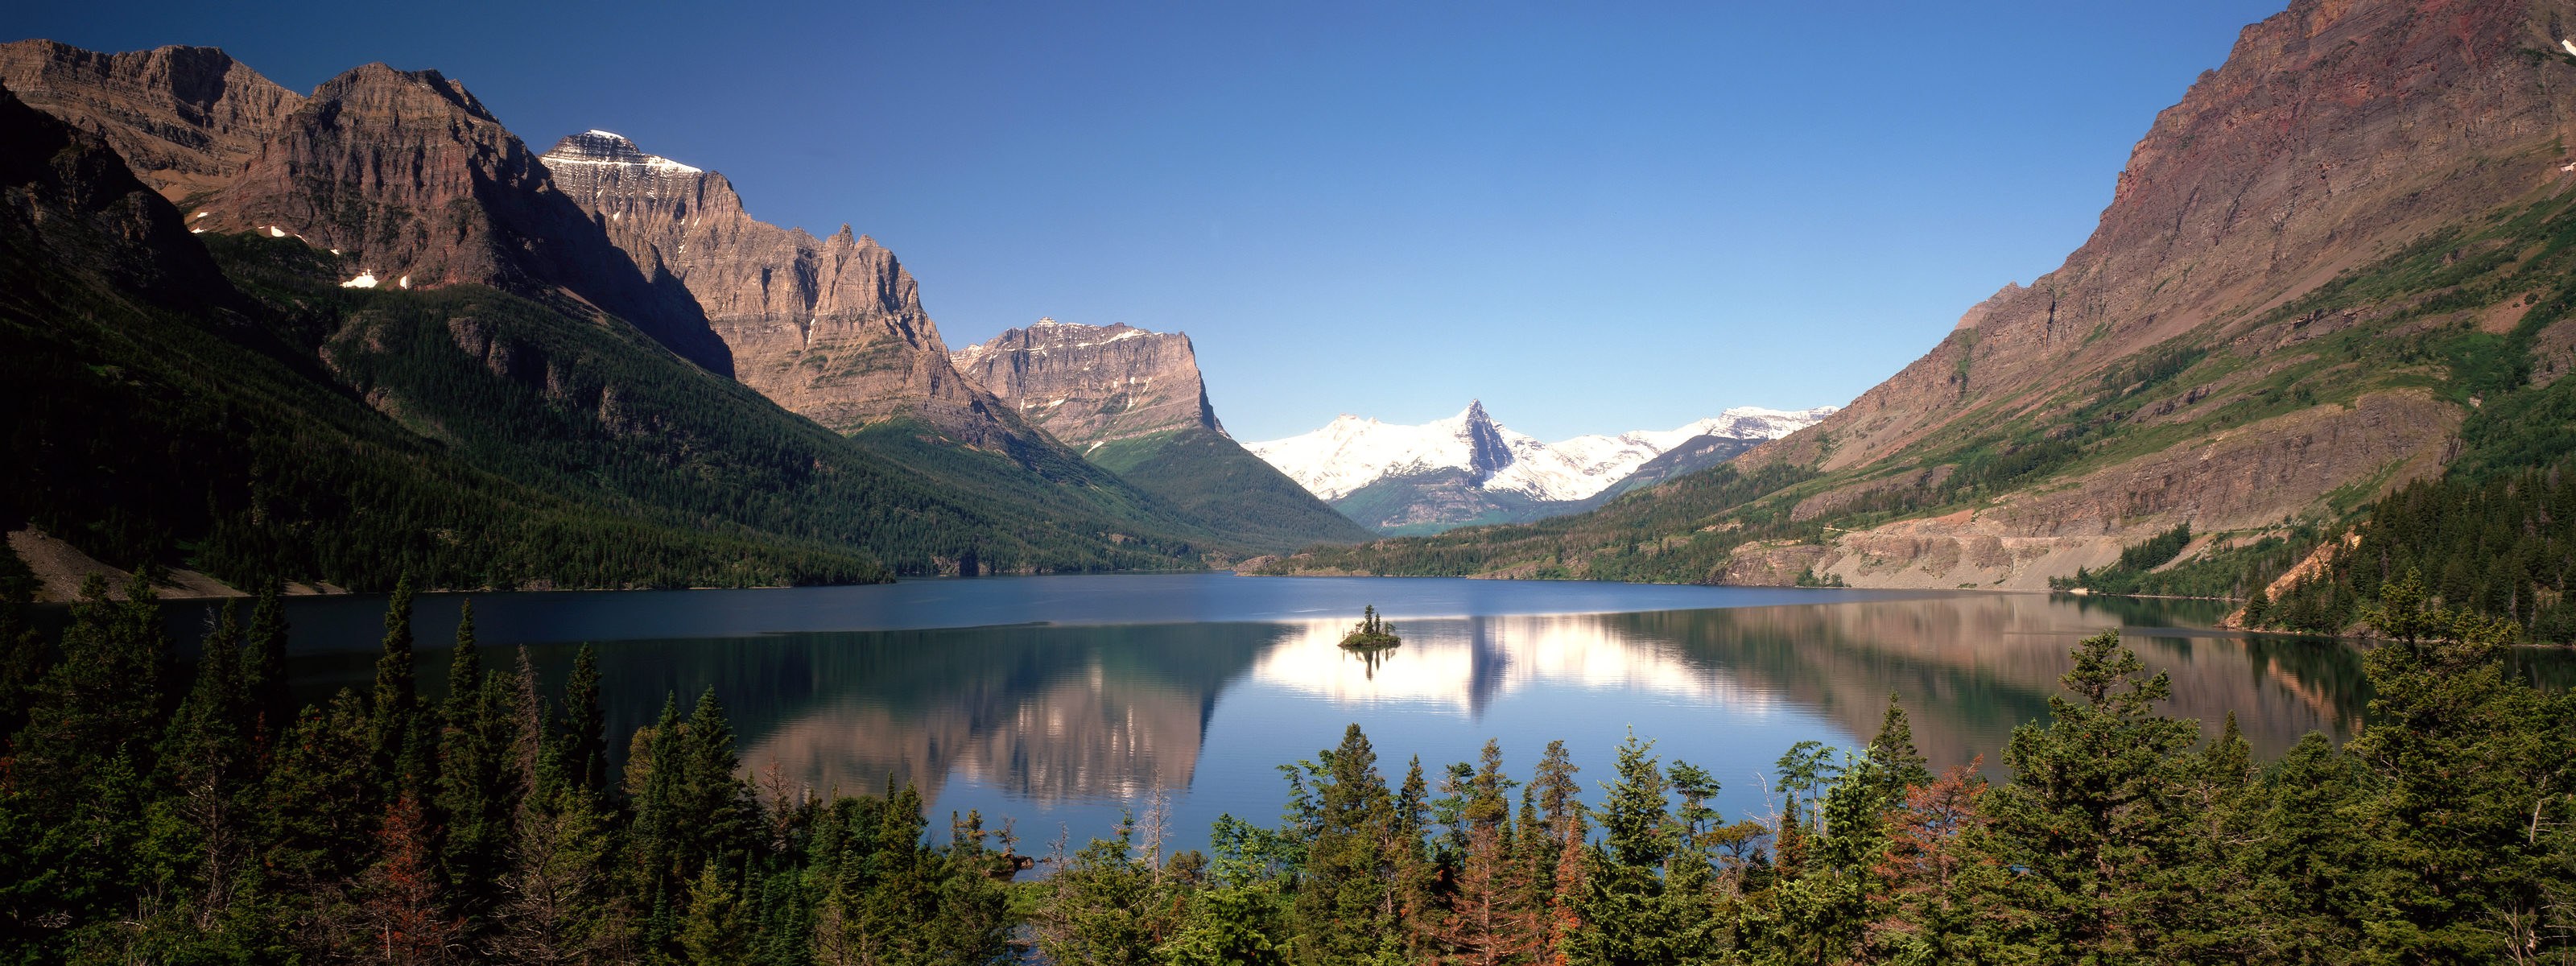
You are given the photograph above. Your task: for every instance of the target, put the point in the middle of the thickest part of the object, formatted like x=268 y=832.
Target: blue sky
x=1595 y=217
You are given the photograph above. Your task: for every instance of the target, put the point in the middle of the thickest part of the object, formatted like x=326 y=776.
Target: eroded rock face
x=403 y=175
x=830 y=328
x=416 y=184
x=1091 y=384
x=187 y=120
x=2337 y=133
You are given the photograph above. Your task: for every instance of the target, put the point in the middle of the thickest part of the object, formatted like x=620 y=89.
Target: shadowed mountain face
x=831 y=328
x=187 y=120
x=402 y=175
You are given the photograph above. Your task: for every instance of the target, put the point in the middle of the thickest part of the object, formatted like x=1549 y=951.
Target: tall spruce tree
x=585 y=726
x=394 y=711
x=2082 y=845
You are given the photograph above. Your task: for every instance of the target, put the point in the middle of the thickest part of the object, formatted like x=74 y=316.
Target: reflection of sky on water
x=1064 y=724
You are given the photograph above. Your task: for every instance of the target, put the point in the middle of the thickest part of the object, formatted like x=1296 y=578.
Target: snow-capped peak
x=1351 y=452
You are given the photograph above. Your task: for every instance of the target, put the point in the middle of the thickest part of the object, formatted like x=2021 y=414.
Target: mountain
x=831 y=328
x=2337 y=268
x=426 y=357
x=1468 y=469
x=153 y=407
x=403 y=174
x=1133 y=401
x=187 y=120
x=1090 y=384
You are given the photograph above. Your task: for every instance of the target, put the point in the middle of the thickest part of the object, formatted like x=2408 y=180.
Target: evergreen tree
x=72 y=809
x=1900 y=766
x=395 y=708
x=585 y=726
x=1491 y=918
x=478 y=778
x=2083 y=842
x=1625 y=912
x=1345 y=904
x=264 y=668
x=711 y=934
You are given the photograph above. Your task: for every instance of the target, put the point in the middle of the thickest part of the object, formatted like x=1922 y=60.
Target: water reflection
x=1070 y=722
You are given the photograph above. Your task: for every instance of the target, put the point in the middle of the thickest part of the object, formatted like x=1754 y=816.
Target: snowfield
x=1350 y=453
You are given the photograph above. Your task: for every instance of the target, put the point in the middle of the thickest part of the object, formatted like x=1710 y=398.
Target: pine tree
x=74 y=803
x=1900 y=766
x=2084 y=841
x=395 y=708
x=585 y=727
x=478 y=777
x=197 y=838
x=399 y=918
x=1491 y=918
x=1345 y=903
x=711 y=934
x=264 y=668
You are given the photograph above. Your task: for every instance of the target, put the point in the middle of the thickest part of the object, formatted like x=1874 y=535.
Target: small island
x=1371 y=634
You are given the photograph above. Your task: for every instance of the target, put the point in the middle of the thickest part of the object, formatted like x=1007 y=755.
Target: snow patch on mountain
x=1350 y=453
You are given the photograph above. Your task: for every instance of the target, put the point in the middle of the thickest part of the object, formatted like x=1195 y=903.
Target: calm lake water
x=1058 y=702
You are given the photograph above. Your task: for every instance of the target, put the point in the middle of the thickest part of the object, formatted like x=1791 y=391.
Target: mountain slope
x=831 y=328
x=1468 y=469
x=152 y=408
x=1134 y=402
x=2338 y=247
x=187 y=120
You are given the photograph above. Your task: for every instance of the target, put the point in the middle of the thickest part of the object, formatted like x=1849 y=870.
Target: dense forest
x=154 y=814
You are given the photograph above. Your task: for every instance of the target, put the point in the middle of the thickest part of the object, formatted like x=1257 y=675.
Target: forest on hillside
x=156 y=813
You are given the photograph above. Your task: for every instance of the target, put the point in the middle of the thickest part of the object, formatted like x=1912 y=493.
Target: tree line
x=145 y=821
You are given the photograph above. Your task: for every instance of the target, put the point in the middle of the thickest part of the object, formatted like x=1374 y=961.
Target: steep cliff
x=831 y=328
x=187 y=120
x=1090 y=384
x=1134 y=402
x=402 y=176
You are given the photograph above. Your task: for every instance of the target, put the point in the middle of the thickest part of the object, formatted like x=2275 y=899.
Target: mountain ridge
x=1133 y=401
x=2318 y=275
x=1469 y=468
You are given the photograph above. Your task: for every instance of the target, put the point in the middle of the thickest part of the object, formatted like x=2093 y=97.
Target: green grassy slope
x=1215 y=480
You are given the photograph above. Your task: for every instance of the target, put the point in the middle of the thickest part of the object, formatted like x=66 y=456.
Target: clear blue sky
x=1595 y=217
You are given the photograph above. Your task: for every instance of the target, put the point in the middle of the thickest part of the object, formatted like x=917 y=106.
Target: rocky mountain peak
x=597 y=147
x=1092 y=384
x=832 y=328
x=186 y=119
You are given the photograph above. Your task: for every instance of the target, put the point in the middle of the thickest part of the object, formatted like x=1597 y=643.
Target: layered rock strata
x=831 y=328
x=402 y=175
x=1091 y=384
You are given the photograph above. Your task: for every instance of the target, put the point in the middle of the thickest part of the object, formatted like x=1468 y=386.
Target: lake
x=1059 y=702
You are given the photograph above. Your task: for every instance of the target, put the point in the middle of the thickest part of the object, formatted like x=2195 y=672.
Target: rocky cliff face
x=187 y=120
x=403 y=175
x=1090 y=384
x=2337 y=134
x=67 y=200
x=414 y=183
x=831 y=328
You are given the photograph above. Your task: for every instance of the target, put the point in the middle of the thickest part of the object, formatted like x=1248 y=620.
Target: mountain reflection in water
x=1073 y=723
